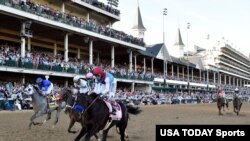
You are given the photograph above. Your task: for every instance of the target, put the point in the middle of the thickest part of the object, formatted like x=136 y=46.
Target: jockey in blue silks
x=105 y=85
x=45 y=86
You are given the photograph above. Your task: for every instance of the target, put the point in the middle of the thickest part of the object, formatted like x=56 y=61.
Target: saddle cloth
x=53 y=101
x=118 y=114
x=53 y=105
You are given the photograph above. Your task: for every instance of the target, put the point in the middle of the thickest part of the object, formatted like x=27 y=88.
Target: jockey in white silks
x=80 y=84
x=105 y=84
x=237 y=93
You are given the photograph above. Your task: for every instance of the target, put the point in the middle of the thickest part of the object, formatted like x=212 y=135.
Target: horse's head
x=84 y=100
x=29 y=90
x=65 y=94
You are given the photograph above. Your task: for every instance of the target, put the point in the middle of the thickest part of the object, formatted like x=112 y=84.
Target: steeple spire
x=178 y=41
x=179 y=45
x=138 y=25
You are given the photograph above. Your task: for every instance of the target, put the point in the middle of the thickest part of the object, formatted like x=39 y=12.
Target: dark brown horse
x=74 y=115
x=221 y=103
x=97 y=115
x=73 y=111
x=237 y=103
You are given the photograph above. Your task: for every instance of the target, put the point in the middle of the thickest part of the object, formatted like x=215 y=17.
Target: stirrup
x=113 y=111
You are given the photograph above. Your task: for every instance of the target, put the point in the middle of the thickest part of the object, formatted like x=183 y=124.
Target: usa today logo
x=164 y=132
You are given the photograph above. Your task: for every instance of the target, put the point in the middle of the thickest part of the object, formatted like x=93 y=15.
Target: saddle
x=118 y=113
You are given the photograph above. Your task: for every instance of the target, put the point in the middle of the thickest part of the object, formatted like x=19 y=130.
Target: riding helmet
x=39 y=80
x=76 y=78
x=89 y=75
x=98 y=70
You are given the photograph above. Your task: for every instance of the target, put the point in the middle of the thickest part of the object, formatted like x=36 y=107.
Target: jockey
x=90 y=81
x=45 y=86
x=222 y=94
x=236 y=92
x=106 y=85
x=80 y=84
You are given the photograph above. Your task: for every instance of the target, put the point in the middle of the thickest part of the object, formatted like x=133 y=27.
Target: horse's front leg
x=57 y=117
x=219 y=108
x=240 y=106
x=81 y=134
x=48 y=111
x=32 y=120
x=223 y=107
x=71 y=124
x=227 y=104
x=33 y=117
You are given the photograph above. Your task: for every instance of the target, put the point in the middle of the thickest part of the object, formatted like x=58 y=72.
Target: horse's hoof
x=73 y=132
x=44 y=121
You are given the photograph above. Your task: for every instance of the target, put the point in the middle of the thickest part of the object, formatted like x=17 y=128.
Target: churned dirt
x=14 y=125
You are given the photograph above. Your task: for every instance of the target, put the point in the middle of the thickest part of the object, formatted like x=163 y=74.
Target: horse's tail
x=133 y=110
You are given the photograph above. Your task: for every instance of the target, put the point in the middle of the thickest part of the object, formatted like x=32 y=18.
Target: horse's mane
x=36 y=88
x=66 y=89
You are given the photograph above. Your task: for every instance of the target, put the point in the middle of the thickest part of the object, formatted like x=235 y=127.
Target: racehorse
x=40 y=107
x=68 y=97
x=221 y=103
x=74 y=114
x=97 y=117
x=237 y=103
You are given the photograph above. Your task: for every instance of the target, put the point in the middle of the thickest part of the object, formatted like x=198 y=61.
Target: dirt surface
x=14 y=125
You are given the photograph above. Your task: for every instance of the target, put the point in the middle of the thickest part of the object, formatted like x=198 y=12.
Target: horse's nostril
x=29 y=89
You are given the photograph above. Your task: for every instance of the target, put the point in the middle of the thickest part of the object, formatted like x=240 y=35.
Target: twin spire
x=138 y=27
x=139 y=30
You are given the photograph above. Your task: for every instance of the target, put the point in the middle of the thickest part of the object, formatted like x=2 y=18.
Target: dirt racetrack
x=14 y=125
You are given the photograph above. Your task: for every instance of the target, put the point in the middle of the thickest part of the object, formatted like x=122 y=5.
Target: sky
x=228 y=19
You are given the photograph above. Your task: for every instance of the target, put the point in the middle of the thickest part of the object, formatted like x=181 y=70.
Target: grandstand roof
x=183 y=61
x=155 y=50
x=198 y=61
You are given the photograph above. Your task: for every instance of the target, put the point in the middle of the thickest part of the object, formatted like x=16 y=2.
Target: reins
x=90 y=104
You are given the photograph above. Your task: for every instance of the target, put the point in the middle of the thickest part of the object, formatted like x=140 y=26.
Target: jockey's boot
x=113 y=109
x=48 y=103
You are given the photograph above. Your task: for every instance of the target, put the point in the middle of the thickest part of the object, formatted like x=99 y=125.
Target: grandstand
x=62 y=38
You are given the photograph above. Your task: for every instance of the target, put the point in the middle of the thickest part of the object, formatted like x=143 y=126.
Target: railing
x=65 y=18
x=57 y=68
x=133 y=77
x=102 y=6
